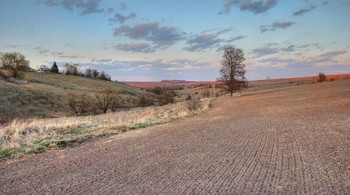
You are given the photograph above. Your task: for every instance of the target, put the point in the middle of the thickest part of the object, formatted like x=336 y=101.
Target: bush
x=107 y=100
x=16 y=62
x=9 y=114
x=167 y=97
x=321 y=77
x=81 y=104
x=194 y=103
x=144 y=100
x=206 y=93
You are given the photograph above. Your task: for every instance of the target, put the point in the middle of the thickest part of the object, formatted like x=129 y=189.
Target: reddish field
x=171 y=83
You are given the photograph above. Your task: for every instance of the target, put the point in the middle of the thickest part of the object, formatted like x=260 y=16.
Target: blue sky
x=138 y=40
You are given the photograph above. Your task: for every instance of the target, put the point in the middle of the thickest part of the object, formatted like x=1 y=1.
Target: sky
x=153 y=40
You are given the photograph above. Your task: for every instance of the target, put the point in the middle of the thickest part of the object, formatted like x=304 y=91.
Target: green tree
x=54 y=68
x=15 y=62
x=232 y=72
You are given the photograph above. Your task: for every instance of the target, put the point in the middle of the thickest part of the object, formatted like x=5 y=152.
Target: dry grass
x=38 y=135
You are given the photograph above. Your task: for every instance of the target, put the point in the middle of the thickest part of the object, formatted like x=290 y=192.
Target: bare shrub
x=194 y=103
x=145 y=99
x=79 y=104
x=107 y=100
x=9 y=114
x=167 y=97
x=206 y=93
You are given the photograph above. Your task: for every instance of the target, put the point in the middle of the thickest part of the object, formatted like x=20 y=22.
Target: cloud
x=254 y=6
x=70 y=56
x=303 y=11
x=276 y=25
x=289 y=48
x=335 y=53
x=202 y=42
x=122 y=6
x=85 y=7
x=275 y=60
x=205 y=41
x=265 y=50
x=159 y=36
x=237 y=38
x=119 y=18
x=136 y=47
x=101 y=60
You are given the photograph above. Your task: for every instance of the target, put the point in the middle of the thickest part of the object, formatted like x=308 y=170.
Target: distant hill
x=170 y=83
x=42 y=95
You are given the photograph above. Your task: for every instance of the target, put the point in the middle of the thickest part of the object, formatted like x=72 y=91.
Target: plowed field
x=291 y=141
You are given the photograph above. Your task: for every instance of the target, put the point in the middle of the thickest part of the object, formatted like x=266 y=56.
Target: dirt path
x=290 y=141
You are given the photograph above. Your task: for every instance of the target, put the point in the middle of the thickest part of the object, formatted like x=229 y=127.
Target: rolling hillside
x=42 y=95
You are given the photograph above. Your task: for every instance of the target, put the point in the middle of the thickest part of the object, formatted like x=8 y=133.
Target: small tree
x=54 y=68
x=232 y=72
x=72 y=69
x=88 y=73
x=15 y=62
x=78 y=104
x=206 y=93
x=104 y=76
x=95 y=74
x=321 y=77
x=193 y=103
x=108 y=100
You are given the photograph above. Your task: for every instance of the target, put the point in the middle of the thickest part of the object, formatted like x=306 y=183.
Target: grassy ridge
x=42 y=96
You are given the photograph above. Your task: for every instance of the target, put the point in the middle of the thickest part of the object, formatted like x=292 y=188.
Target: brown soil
x=291 y=141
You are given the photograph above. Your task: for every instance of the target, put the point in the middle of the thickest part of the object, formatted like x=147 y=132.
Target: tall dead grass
x=28 y=133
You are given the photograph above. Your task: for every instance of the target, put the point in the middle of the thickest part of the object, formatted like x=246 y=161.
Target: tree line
x=17 y=63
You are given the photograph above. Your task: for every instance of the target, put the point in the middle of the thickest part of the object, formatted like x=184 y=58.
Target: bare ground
x=290 y=141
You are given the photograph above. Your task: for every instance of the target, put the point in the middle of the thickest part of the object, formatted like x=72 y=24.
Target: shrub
x=206 y=93
x=167 y=97
x=144 y=100
x=15 y=62
x=321 y=77
x=9 y=114
x=79 y=104
x=193 y=103
x=107 y=100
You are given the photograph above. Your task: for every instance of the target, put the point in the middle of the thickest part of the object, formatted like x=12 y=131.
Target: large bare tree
x=232 y=72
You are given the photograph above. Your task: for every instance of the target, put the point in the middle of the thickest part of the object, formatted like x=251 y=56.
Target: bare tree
x=95 y=73
x=88 y=73
x=232 y=72
x=108 y=100
x=79 y=104
x=321 y=77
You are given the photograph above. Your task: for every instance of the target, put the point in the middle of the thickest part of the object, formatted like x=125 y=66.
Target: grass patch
x=8 y=153
x=39 y=135
x=145 y=124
